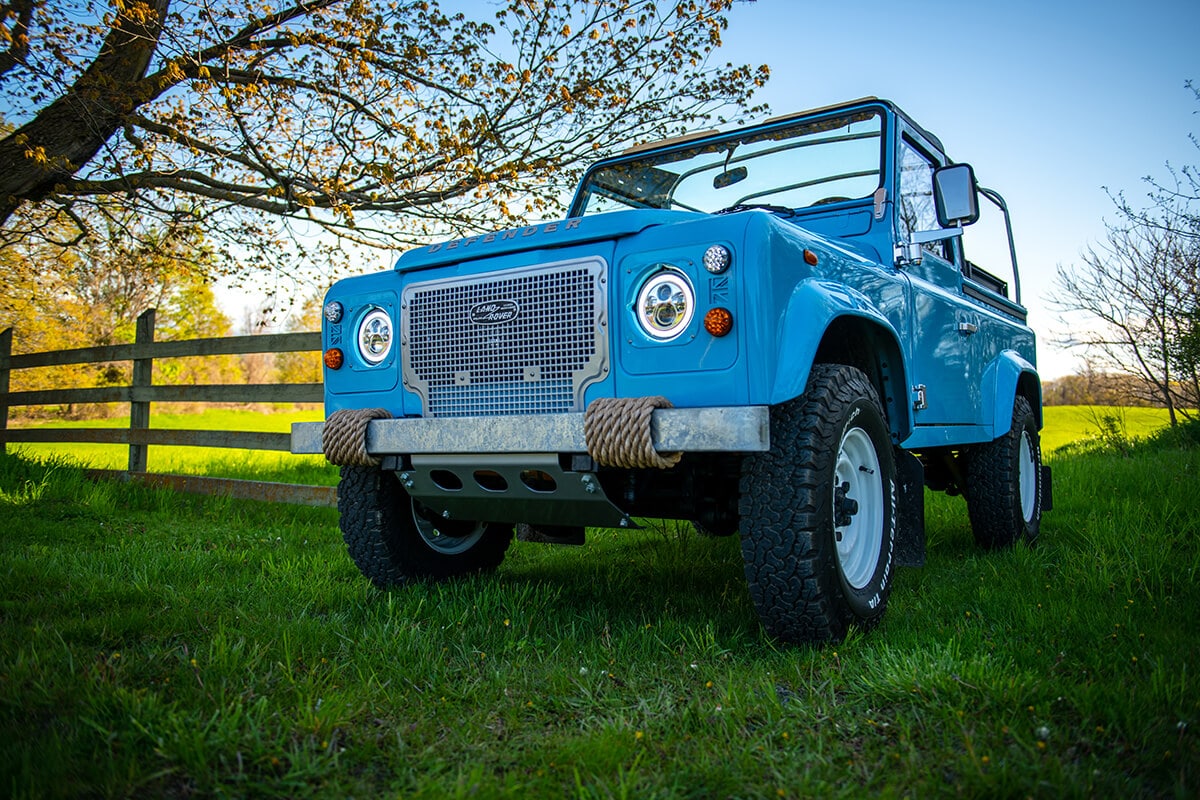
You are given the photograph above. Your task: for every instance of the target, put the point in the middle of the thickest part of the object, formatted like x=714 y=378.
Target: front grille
x=524 y=341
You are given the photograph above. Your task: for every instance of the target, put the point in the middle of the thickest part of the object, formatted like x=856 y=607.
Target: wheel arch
x=871 y=347
x=854 y=333
x=1009 y=375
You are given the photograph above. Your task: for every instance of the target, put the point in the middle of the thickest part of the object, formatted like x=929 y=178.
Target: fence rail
x=141 y=393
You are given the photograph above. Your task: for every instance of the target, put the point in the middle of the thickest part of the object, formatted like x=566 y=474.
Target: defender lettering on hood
x=504 y=236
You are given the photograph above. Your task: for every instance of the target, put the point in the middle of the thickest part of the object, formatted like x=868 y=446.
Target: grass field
x=164 y=645
x=1066 y=425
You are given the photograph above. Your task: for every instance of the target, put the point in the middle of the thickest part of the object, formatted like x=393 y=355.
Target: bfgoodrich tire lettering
x=818 y=511
x=393 y=543
x=1004 y=483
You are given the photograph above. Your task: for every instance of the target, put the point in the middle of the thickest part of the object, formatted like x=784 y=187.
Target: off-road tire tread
x=784 y=502
x=376 y=523
x=992 y=489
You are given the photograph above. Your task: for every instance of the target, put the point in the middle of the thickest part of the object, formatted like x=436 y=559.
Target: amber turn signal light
x=810 y=258
x=718 y=321
x=333 y=358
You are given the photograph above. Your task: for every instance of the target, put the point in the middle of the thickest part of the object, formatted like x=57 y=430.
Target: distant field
x=1066 y=424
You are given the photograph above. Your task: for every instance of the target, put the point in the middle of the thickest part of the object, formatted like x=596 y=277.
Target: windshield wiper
x=764 y=206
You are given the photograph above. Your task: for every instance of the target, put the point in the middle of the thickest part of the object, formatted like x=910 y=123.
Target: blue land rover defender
x=784 y=331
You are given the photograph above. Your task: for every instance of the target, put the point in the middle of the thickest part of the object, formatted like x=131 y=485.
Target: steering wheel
x=827 y=200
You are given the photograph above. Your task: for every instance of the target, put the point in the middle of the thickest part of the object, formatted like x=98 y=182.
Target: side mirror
x=955 y=195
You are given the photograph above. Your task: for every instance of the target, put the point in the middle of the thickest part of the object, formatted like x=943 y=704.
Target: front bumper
x=508 y=469
x=736 y=429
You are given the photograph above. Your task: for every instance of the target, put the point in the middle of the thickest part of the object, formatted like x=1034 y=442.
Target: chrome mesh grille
x=548 y=346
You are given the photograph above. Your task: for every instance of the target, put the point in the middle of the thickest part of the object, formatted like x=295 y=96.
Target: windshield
x=810 y=163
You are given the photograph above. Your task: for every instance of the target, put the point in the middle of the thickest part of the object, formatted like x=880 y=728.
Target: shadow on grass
x=634 y=579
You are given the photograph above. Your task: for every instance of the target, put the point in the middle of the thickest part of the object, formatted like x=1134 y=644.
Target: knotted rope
x=617 y=432
x=344 y=438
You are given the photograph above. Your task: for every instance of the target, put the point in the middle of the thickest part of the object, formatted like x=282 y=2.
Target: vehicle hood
x=542 y=236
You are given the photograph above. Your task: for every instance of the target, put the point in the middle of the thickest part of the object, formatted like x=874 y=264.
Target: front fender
x=819 y=309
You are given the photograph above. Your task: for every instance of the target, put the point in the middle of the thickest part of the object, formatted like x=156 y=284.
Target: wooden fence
x=141 y=393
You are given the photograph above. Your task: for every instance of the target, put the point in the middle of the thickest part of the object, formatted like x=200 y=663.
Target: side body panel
x=957 y=340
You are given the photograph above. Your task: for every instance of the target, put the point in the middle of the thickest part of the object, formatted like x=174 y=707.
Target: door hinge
x=919 y=403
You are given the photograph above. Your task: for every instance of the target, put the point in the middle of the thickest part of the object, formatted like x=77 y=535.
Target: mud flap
x=1047 y=490
x=910 y=533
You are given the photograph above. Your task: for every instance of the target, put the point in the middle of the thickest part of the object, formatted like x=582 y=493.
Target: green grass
x=157 y=644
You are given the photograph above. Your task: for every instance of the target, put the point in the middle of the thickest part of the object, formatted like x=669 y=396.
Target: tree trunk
x=69 y=132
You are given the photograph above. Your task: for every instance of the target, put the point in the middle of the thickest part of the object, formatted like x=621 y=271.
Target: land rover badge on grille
x=494 y=312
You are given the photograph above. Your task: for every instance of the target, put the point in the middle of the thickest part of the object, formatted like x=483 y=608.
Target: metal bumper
x=507 y=469
x=736 y=429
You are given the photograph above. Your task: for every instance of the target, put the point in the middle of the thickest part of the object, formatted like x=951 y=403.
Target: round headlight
x=333 y=312
x=375 y=336
x=665 y=304
x=717 y=259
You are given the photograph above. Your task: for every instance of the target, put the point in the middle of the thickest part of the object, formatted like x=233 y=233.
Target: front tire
x=819 y=511
x=394 y=540
x=1004 y=484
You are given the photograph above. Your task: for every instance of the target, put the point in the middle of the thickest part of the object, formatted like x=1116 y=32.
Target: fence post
x=5 y=356
x=143 y=375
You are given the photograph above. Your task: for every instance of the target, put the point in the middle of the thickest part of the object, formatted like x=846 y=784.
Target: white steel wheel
x=858 y=485
x=1027 y=477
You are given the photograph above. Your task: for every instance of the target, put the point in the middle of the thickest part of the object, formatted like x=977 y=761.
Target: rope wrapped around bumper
x=617 y=433
x=616 y=430
x=344 y=438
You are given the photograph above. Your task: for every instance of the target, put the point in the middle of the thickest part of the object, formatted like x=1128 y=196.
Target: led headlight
x=665 y=304
x=375 y=336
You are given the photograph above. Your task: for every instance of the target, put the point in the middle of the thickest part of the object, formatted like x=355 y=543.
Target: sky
x=1050 y=101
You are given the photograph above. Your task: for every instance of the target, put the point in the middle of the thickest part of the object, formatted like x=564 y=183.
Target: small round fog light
x=718 y=321
x=717 y=259
x=333 y=358
x=333 y=312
